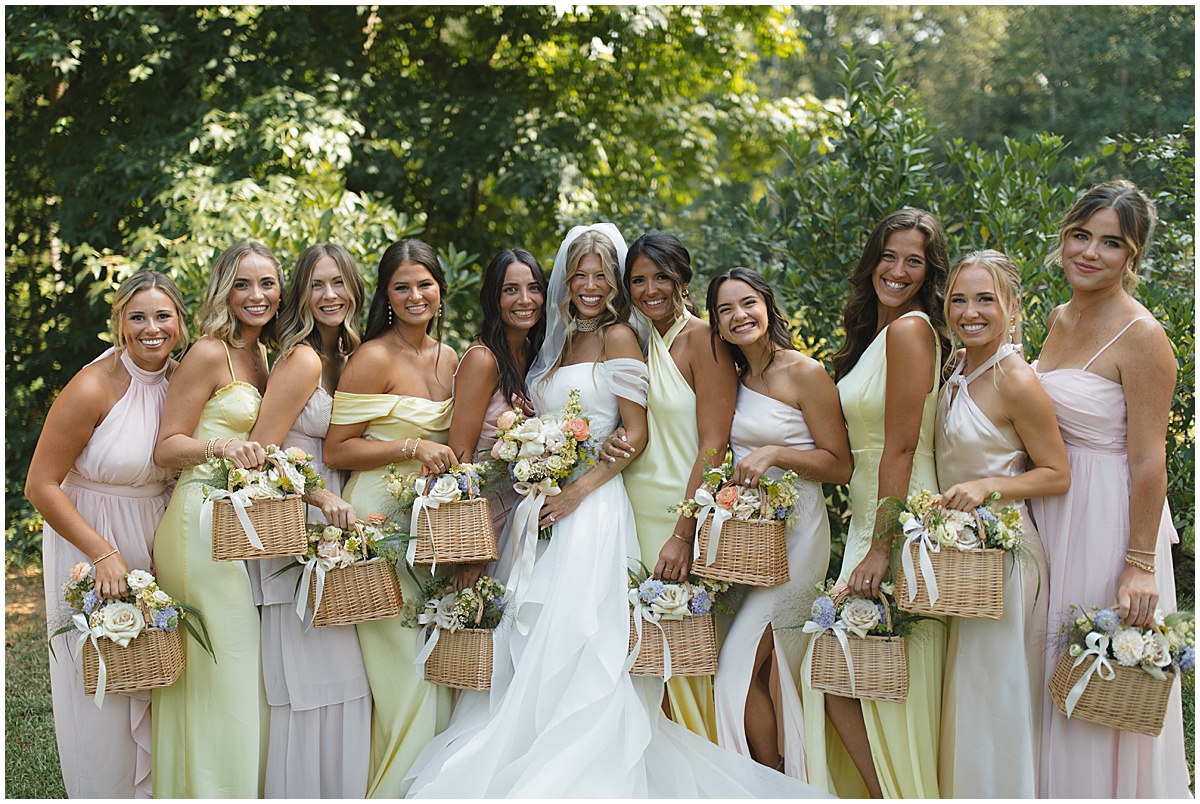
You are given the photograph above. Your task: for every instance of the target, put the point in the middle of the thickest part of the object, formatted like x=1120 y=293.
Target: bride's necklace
x=587 y=324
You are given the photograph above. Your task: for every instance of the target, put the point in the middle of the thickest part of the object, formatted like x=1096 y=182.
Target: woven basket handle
x=274 y=459
x=762 y=502
x=478 y=604
x=887 y=610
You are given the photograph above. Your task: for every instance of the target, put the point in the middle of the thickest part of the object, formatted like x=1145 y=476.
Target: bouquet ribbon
x=914 y=531
x=1097 y=645
x=241 y=500
x=525 y=538
x=426 y=646
x=839 y=631
x=317 y=566
x=81 y=624
x=640 y=613
x=708 y=505
x=420 y=503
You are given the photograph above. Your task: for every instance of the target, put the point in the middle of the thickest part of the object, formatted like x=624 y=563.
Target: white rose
x=139 y=580
x=673 y=603
x=331 y=533
x=967 y=540
x=556 y=463
x=445 y=489
x=443 y=616
x=121 y=623
x=1157 y=649
x=160 y=599
x=1128 y=647
x=508 y=451
x=529 y=434
x=860 y=616
x=523 y=470
x=747 y=504
x=905 y=517
x=553 y=438
x=334 y=554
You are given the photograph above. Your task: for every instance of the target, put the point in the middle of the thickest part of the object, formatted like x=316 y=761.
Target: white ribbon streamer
x=640 y=613
x=1097 y=645
x=317 y=566
x=708 y=505
x=81 y=624
x=914 y=531
x=425 y=647
x=524 y=543
x=839 y=631
x=241 y=501
x=425 y=502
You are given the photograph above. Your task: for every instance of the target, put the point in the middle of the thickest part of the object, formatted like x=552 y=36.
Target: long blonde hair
x=296 y=325
x=216 y=317
x=136 y=283
x=616 y=306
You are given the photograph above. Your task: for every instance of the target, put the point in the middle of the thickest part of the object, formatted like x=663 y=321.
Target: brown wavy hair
x=1135 y=211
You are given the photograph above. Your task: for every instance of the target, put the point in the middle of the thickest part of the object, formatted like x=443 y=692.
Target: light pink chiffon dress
x=119 y=490
x=316 y=681
x=1086 y=533
x=992 y=692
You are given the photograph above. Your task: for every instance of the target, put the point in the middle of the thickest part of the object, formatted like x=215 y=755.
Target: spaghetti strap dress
x=1086 y=533
x=993 y=667
x=656 y=480
x=316 y=682
x=210 y=726
x=408 y=711
x=759 y=420
x=903 y=736
x=119 y=490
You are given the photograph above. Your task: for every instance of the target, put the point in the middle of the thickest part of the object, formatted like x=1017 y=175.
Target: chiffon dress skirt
x=656 y=480
x=316 y=682
x=565 y=718
x=118 y=490
x=993 y=667
x=903 y=736
x=210 y=726
x=408 y=711
x=1086 y=532
x=759 y=420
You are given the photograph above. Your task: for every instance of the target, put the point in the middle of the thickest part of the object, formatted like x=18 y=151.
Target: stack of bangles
x=405 y=453
x=210 y=451
x=1142 y=565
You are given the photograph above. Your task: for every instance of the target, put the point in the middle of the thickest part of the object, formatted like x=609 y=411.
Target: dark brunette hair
x=777 y=330
x=397 y=254
x=491 y=333
x=672 y=258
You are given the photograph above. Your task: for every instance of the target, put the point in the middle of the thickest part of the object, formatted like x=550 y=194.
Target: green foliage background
x=155 y=136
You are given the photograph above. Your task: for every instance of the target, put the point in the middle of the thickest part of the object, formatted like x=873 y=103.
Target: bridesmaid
x=993 y=421
x=210 y=726
x=491 y=377
x=689 y=410
x=315 y=679
x=1109 y=537
x=393 y=406
x=94 y=480
x=888 y=373
x=787 y=417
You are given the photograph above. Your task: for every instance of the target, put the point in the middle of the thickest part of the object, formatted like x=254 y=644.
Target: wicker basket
x=751 y=551
x=880 y=667
x=154 y=658
x=461 y=531
x=693 y=644
x=362 y=592
x=1133 y=700
x=461 y=659
x=970 y=584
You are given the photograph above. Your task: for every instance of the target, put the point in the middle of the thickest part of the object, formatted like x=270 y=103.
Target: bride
x=564 y=718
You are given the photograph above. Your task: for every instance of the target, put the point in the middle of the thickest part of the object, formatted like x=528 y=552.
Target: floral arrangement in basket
x=718 y=492
x=271 y=495
x=963 y=550
x=680 y=612
x=456 y=629
x=456 y=517
x=1134 y=694
x=145 y=612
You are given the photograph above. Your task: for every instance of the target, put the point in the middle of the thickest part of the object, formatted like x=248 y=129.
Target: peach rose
x=727 y=496
x=507 y=419
x=578 y=428
x=376 y=518
x=496 y=450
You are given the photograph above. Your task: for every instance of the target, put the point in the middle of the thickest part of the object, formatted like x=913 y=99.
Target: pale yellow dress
x=408 y=710
x=656 y=480
x=904 y=736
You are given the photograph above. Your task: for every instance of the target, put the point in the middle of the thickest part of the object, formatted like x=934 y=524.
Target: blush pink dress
x=1086 y=533
x=122 y=493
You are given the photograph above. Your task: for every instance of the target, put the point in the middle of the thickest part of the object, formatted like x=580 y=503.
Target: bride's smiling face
x=589 y=287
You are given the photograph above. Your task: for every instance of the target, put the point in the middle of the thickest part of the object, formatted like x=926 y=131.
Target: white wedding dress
x=564 y=718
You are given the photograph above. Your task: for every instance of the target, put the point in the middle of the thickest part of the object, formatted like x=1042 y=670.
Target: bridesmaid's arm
x=476 y=383
x=1148 y=371
x=198 y=377
x=73 y=418
x=911 y=370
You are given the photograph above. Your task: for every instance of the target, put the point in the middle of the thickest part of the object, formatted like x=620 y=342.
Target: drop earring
x=391 y=315
x=1012 y=329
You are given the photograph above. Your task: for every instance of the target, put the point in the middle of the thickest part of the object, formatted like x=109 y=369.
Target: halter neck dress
x=656 y=480
x=993 y=667
x=119 y=490
x=759 y=420
x=210 y=726
x=409 y=711
x=1086 y=533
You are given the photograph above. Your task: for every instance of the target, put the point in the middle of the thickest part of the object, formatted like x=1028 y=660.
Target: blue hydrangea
x=650 y=589
x=1187 y=659
x=780 y=512
x=90 y=602
x=462 y=486
x=701 y=603
x=986 y=515
x=1107 y=620
x=167 y=619
x=823 y=612
x=883 y=617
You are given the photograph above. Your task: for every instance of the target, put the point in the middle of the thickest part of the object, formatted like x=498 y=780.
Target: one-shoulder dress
x=903 y=736
x=1086 y=533
x=119 y=490
x=992 y=697
x=656 y=480
x=759 y=420
x=409 y=711
x=315 y=677
x=210 y=726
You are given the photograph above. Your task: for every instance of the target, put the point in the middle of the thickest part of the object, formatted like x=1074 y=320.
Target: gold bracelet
x=111 y=552
x=208 y=449
x=1142 y=565
x=225 y=446
x=680 y=538
x=416 y=444
x=404 y=452
x=1143 y=552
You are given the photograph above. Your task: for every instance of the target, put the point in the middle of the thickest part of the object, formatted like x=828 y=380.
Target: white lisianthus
x=509 y=451
x=523 y=469
x=122 y=622
x=905 y=517
x=138 y=580
x=1076 y=651
x=1159 y=619
x=1157 y=649
x=444 y=616
x=860 y=616
x=673 y=603
x=1129 y=647
x=945 y=536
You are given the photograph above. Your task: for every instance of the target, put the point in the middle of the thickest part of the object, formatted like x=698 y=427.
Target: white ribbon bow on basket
x=241 y=500
x=914 y=531
x=839 y=630
x=428 y=497
x=1097 y=645
x=81 y=624
x=524 y=543
x=643 y=612
x=708 y=505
